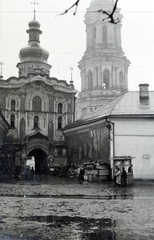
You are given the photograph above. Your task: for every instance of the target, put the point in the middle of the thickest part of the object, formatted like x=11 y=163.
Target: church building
x=36 y=107
x=104 y=66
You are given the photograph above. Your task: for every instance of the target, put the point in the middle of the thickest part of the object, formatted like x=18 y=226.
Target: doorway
x=40 y=161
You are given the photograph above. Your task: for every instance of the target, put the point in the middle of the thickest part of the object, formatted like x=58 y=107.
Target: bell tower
x=104 y=66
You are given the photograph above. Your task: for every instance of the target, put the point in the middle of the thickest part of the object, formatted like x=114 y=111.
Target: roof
x=128 y=104
x=58 y=85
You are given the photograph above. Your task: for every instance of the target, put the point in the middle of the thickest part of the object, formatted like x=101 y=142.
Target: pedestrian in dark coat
x=81 y=175
x=124 y=177
x=32 y=173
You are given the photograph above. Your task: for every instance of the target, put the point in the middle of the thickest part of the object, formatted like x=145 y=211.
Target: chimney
x=144 y=92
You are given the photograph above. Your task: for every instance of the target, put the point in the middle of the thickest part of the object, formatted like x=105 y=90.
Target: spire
x=34 y=15
x=71 y=82
x=34 y=3
x=1 y=64
x=71 y=75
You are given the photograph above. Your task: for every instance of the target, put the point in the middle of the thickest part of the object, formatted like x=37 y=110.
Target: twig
x=74 y=5
x=110 y=15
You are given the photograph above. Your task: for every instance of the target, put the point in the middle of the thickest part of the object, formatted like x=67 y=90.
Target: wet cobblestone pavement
x=61 y=208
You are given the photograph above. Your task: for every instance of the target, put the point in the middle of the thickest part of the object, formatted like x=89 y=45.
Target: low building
x=129 y=120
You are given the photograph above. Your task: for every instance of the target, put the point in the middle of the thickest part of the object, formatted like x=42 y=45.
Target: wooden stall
x=124 y=163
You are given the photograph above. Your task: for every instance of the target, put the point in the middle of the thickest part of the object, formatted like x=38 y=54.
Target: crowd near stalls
x=90 y=171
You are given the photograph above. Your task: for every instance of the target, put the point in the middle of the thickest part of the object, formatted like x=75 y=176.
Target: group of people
x=120 y=177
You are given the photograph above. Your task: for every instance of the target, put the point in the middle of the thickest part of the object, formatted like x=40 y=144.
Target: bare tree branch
x=110 y=15
x=74 y=5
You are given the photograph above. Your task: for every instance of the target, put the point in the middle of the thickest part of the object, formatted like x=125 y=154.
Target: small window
x=106 y=78
x=13 y=103
x=37 y=104
x=121 y=79
x=60 y=123
x=90 y=80
x=105 y=40
x=60 y=108
x=36 y=122
x=12 y=120
x=94 y=32
x=96 y=76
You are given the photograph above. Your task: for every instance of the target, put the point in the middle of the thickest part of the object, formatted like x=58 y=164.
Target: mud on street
x=61 y=208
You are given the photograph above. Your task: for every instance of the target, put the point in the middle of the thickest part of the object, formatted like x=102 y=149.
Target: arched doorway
x=40 y=160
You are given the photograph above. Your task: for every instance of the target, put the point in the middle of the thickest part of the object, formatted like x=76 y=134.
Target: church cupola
x=33 y=58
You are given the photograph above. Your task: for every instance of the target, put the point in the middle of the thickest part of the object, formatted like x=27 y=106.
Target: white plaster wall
x=136 y=138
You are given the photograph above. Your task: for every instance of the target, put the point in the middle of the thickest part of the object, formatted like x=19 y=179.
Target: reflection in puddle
x=88 y=228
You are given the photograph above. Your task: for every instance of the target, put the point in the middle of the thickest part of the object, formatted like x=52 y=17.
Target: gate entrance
x=40 y=161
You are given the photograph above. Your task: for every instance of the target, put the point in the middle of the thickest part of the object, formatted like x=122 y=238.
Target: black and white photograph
x=76 y=120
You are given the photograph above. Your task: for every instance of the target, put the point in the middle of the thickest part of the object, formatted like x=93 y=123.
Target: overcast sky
x=64 y=37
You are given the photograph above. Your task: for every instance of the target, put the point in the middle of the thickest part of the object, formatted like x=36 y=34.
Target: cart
x=95 y=172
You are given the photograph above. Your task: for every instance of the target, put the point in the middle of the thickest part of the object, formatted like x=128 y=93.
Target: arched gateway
x=40 y=158
x=37 y=146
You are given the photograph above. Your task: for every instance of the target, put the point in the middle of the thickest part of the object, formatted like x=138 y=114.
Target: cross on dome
x=34 y=3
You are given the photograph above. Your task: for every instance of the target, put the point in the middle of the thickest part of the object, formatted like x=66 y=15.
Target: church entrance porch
x=40 y=158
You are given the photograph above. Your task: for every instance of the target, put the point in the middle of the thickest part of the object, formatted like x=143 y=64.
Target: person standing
x=130 y=169
x=81 y=175
x=118 y=176
x=124 y=177
x=32 y=173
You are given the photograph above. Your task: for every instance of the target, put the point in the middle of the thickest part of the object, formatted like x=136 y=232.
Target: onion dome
x=33 y=53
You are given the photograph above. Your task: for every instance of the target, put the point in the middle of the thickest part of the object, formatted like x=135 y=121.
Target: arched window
x=121 y=79
x=60 y=122
x=104 y=36
x=96 y=76
x=90 y=80
x=36 y=122
x=60 y=108
x=94 y=35
x=22 y=129
x=22 y=102
x=106 y=78
x=12 y=120
x=37 y=104
x=13 y=103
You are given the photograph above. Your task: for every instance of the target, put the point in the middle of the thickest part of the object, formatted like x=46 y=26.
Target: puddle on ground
x=87 y=228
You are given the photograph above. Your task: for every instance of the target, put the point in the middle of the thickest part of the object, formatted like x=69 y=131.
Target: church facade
x=36 y=108
x=104 y=66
